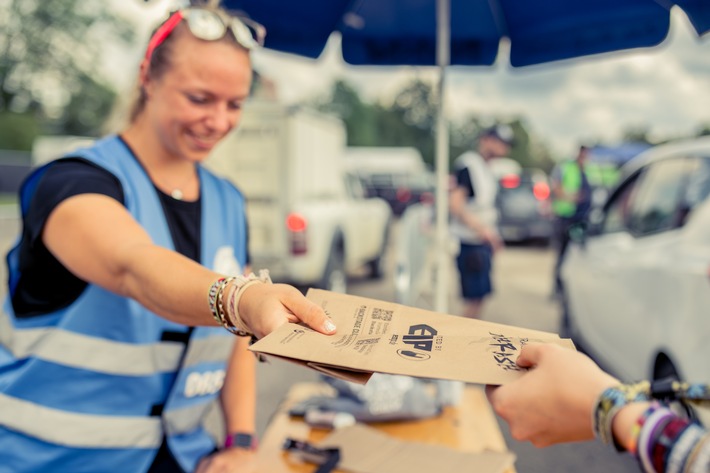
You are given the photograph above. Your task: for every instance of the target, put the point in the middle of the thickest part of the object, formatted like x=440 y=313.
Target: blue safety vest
x=79 y=387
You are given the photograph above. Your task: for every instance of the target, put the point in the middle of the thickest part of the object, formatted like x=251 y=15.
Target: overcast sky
x=665 y=89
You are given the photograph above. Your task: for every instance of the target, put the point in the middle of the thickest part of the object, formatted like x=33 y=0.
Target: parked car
x=636 y=279
x=395 y=174
x=524 y=207
x=401 y=191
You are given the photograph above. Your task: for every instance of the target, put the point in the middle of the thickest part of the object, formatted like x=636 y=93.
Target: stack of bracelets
x=227 y=315
x=662 y=441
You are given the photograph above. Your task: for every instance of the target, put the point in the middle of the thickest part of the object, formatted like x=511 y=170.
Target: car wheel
x=334 y=278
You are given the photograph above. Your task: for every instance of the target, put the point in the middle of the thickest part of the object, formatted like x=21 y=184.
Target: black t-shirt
x=44 y=284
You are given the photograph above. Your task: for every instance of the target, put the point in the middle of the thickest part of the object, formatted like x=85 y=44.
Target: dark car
x=401 y=190
x=524 y=206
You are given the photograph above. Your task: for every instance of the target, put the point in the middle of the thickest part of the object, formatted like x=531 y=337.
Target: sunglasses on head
x=209 y=25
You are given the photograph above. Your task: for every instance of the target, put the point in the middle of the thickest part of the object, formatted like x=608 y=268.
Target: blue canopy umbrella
x=467 y=33
x=616 y=155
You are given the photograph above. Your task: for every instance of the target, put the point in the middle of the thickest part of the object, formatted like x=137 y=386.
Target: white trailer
x=309 y=223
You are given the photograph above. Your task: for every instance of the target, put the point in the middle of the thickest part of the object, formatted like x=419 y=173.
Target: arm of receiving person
x=555 y=400
x=98 y=240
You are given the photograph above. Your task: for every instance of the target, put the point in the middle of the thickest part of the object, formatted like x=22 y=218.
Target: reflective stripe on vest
x=79 y=430
x=106 y=431
x=107 y=356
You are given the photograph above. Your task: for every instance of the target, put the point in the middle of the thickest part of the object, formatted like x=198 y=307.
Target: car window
x=656 y=207
x=698 y=187
x=617 y=209
x=354 y=187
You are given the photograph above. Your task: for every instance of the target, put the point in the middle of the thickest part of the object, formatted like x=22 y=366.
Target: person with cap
x=131 y=264
x=571 y=201
x=474 y=215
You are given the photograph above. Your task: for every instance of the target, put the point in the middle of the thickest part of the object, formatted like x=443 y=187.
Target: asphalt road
x=522 y=279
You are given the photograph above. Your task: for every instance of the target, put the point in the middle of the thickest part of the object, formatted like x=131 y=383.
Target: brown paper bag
x=377 y=336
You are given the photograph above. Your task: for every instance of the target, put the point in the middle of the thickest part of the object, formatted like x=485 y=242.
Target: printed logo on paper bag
x=421 y=341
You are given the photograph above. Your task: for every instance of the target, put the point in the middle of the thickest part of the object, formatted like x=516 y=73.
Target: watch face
x=241 y=440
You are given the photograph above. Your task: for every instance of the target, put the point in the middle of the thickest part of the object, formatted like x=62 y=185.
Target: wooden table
x=470 y=426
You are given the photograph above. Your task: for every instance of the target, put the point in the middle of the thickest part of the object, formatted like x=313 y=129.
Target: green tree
x=360 y=118
x=703 y=130
x=50 y=54
x=638 y=135
x=410 y=121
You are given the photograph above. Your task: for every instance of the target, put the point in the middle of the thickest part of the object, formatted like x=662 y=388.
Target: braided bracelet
x=213 y=295
x=241 y=283
x=215 y=298
x=670 y=390
x=610 y=402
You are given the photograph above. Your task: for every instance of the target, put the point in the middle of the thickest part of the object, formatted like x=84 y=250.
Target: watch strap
x=241 y=440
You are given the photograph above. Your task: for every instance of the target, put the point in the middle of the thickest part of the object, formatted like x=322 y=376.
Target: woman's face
x=199 y=98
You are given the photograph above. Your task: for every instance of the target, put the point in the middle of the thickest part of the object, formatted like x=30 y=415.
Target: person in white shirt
x=474 y=215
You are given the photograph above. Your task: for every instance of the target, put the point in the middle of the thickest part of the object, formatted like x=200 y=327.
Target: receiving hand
x=264 y=307
x=229 y=460
x=553 y=402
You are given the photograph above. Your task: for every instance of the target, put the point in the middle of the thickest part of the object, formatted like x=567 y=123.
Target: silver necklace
x=177 y=192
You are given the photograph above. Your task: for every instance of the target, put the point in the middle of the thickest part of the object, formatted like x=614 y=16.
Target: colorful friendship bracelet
x=649 y=437
x=670 y=390
x=610 y=401
x=663 y=442
x=636 y=430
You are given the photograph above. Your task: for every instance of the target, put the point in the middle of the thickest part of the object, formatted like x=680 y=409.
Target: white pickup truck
x=309 y=222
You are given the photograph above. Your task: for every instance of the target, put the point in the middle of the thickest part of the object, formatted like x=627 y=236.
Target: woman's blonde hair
x=160 y=60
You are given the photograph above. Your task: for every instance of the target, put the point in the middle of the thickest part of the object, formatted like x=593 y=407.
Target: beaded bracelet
x=636 y=429
x=215 y=298
x=650 y=434
x=215 y=290
x=609 y=403
x=241 y=283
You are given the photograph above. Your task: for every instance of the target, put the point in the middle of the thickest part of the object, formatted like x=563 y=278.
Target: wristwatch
x=241 y=440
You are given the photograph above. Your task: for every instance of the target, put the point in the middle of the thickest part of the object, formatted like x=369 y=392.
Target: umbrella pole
x=443 y=48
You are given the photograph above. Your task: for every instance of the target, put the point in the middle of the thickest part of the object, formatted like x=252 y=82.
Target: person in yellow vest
x=571 y=200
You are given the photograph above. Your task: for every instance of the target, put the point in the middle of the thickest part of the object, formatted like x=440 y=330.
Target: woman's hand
x=230 y=460
x=264 y=307
x=553 y=402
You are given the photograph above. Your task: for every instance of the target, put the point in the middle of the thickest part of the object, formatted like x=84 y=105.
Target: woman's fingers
x=265 y=307
x=309 y=313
